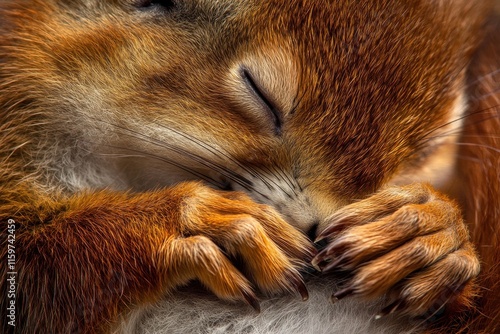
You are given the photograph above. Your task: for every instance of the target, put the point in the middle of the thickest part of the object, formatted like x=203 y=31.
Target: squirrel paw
x=409 y=243
x=216 y=226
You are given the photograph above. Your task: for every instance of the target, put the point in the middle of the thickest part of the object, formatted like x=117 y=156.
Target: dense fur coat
x=147 y=144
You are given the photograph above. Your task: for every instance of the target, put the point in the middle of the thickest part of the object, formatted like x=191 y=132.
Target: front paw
x=219 y=228
x=409 y=243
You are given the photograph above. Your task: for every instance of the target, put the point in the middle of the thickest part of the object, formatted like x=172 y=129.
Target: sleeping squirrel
x=162 y=160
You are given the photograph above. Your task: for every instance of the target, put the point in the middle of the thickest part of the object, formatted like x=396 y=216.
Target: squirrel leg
x=84 y=259
x=410 y=243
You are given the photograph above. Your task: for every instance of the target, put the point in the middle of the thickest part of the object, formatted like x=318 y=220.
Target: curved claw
x=321 y=263
x=332 y=265
x=252 y=300
x=391 y=308
x=335 y=225
x=301 y=288
x=318 y=260
x=343 y=293
x=299 y=285
x=311 y=253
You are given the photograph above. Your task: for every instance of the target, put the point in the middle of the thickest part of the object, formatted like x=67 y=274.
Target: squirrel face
x=304 y=105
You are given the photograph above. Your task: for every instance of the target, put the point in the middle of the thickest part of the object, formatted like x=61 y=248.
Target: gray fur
x=194 y=312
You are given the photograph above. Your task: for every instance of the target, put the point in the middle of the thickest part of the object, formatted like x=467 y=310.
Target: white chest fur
x=189 y=312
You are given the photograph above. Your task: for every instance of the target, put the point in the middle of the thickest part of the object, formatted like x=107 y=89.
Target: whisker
x=217 y=152
x=488 y=147
x=178 y=150
x=468 y=158
x=481 y=78
x=286 y=178
x=245 y=183
x=459 y=131
x=488 y=111
x=487 y=95
x=162 y=159
x=476 y=99
x=481 y=136
x=460 y=118
x=240 y=180
x=273 y=172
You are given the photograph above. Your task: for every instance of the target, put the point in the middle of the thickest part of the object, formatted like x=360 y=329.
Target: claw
x=320 y=263
x=336 y=225
x=299 y=286
x=318 y=259
x=333 y=299
x=323 y=235
x=252 y=300
x=316 y=265
x=391 y=308
x=343 y=293
x=311 y=253
x=321 y=244
x=332 y=264
x=309 y=270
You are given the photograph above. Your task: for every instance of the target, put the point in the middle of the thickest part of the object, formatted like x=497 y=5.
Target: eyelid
x=145 y=4
x=261 y=95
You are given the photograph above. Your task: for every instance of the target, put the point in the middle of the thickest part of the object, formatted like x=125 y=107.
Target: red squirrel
x=146 y=144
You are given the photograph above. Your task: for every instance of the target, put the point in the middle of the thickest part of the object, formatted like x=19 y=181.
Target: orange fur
x=323 y=112
x=108 y=250
x=482 y=180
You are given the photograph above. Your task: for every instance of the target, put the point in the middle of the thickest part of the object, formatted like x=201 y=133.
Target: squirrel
x=145 y=144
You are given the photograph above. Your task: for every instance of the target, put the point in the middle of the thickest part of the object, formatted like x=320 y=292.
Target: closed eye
x=259 y=93
x=164 y=4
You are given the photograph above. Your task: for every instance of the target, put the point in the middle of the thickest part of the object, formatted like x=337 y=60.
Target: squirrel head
x=304 y=105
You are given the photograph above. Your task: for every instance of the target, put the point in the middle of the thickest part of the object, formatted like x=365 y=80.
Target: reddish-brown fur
x=480 y=162
x=376 y=80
